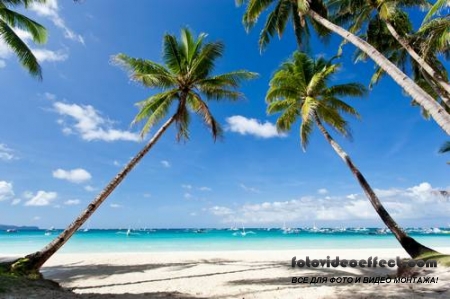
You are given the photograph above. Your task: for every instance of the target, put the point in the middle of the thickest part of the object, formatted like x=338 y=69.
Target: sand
x=228 y=274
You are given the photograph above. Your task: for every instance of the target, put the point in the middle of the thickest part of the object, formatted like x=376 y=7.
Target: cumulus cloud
x=41 y=198
x=78 y=175
x=50 y=10
x=115 y=206
x=6 y=190
x=6 y=154
x=250 y=126
x=72 y=202
x=89 y=124
x=204 y=188
x=417 y=202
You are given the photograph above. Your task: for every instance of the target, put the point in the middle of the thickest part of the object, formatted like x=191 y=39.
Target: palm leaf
x=26 y=57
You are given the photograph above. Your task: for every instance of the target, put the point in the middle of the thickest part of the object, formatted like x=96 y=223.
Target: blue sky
x=63 y=139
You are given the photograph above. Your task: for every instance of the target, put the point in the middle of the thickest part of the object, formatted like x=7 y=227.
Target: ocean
x=145 y=240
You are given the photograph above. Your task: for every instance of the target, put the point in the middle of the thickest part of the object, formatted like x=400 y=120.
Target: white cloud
x=116 y=163
x=2 y=64
x=249 y=189
x=6 y=154
x=415 y=203
x=6 y=190
x=115 y=206
x=147 y=195
x=42 y=198
x=50 y=10
x=187 y=195
x=36 y=218
x=204 y=188
x=90 y=125
x=49 y=96
x=77 y=175
x=16 y=201
x=43 y=55
x=322 y=191
x=72 y=202
x=165 y=163
x=221 y=211
x=89 y=188
x=250 y=126
x=186 y=186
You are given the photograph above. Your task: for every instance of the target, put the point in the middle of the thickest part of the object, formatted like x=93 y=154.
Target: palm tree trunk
x=34 y=261
x=412 y=247
x=424 y=65
x=418 y=94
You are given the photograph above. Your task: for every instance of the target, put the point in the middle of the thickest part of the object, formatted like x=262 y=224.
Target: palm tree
x=10 y=19
x=185 y=80
x=300 y=90
x=359 y=12
x=308 y=9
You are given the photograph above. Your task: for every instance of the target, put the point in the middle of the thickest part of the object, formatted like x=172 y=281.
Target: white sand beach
x=229 y=274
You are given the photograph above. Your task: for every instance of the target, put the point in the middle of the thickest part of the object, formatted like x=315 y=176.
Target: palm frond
x=147 y=72
x=172 y=54
x=154 y=109
x=17 y=20
x=275 y=23
x=200 y=107
x=23 y=52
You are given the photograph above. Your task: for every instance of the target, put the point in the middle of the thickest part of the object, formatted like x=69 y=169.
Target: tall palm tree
x=308 y=9
x=10 y=19
x=357 y=13
x=185 y=80
x=300 y=90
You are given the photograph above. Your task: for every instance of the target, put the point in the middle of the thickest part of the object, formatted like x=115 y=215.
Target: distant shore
x=233 y=274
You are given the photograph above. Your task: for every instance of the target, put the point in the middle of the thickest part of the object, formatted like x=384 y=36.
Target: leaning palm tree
x=357 y=13
x=310 y=9
x=10 y=19
x=185 y=81
x=300 y=90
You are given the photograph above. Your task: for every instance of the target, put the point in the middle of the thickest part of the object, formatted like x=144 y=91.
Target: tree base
x=21 y=267
x=414 y=248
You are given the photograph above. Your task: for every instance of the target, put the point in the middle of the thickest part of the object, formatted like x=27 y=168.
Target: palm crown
x=186 y=77
x=10 y=19
x=278 y=18
x=300 y=90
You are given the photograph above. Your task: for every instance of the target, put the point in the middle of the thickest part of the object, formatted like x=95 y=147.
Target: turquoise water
x=23 y=242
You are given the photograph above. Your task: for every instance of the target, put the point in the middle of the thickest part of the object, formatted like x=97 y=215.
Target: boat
x=11 y=230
